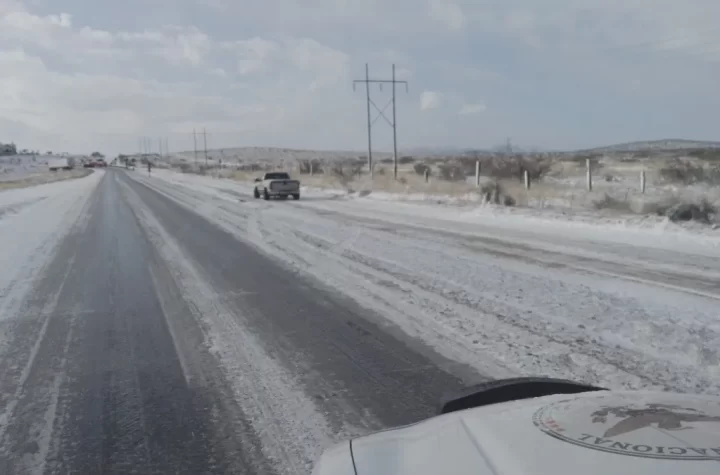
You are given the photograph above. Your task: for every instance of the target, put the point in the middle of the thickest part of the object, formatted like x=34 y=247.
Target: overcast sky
x=80 y=75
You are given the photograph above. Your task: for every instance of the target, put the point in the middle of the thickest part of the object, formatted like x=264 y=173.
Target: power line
x=367 y=81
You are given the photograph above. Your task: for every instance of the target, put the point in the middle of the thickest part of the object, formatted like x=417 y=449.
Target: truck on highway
x=65 y=163
x=276 y=184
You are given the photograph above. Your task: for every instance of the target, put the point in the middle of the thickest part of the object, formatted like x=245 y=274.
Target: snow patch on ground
x=32 y=222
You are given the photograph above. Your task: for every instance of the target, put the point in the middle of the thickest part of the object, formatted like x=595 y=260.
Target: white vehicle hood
x=603 y=433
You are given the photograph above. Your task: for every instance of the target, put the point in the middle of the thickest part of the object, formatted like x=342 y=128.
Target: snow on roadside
x=33 y=221
x=646 y=231
x=487 y=306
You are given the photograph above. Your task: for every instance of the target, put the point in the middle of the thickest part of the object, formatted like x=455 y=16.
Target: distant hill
x=253 y=154
x=654 y=145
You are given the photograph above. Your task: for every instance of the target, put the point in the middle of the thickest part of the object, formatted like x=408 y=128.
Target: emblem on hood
x=682 y=428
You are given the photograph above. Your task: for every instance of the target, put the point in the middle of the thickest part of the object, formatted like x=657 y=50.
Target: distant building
x=8 y=149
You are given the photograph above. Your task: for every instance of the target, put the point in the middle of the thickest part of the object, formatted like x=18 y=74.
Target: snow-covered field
x=616 y=182
x=18 y=171
x=626 y=303
x=14 y=167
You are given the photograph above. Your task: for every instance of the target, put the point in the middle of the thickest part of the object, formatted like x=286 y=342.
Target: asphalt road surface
x=154 y=342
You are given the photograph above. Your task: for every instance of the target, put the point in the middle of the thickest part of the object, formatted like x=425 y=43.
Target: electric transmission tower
x=393 y=123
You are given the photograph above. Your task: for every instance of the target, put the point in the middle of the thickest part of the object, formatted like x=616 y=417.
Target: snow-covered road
x=507 y=293
x=173 y=324
x=139 y=337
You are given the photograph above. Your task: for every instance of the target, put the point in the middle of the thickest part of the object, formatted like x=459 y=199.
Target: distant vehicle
x=276 y=184
x=55 y=164
x=95 y=163
x=542 y=426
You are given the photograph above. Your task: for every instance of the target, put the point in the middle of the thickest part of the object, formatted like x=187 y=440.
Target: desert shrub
x=493 y=192
x=386 y=160
x=507 y=167
x=250 y=167
x=610 y=202
x=406 y=160
x=451 y=172
x=582 y=157
x=687 y=173
x=185 y=168
x=204 y=169
x=345 y=173
x=710 y=154
x=703 y=211
x=421 y=168
x=307 y=166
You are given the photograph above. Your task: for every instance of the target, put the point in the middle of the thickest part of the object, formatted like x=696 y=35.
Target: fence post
x=477 y=172
x=527 y=179
x=589 y=174
x=312 y=168
x=642 y=181
x=427 y=175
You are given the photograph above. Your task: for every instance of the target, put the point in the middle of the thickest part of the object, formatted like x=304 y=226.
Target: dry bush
x=702 y=211
x=345 y=173
x=708 y=154
x=421 y=168
x=508 y=166
x=608 y=201
x=688 y=173
x=583 y=157
x=185 y=167
x=493 y=192
x=405 y=160
x=250 y=167
x=305 y=167
x=451 y=172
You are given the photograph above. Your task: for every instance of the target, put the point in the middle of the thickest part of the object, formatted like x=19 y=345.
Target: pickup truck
x=276 y=184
